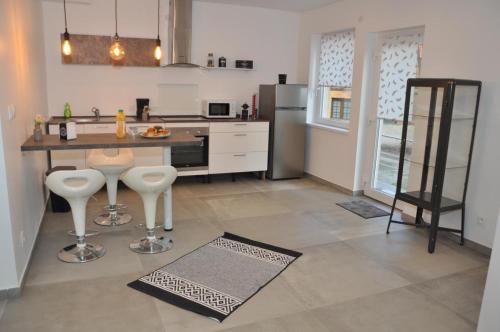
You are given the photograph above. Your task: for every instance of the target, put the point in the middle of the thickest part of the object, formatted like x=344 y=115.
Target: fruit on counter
x=156 y=131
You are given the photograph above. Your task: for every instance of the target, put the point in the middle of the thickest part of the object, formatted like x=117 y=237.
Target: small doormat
x=363 y=209
x=217 y=278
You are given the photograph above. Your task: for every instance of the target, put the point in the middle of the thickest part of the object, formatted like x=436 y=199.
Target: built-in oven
x=191 y=159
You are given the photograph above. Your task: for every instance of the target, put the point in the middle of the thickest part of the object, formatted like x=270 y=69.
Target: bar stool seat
x=149 y=183
x=111 y=166
x=77 y=187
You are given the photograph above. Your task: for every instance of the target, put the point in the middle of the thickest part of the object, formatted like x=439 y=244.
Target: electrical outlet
x=11 y=111
x=481 y=220
x=22 y=238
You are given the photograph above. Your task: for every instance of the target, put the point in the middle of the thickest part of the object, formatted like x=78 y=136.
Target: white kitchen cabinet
x=147 y=156
x=238 y=127
x=143 y=156
x=71 y=157
x=238 y=147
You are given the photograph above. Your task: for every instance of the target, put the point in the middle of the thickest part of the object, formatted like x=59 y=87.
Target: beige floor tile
x=346 y=225
x=307 y=199
x=335 y=273
x=298 y=322
x=461 y=292
x=103 y=304
x=291 y=230
x=347 y=279
x=275 y=300
x=245 y=206
x=405 y=253
x=393 y=311
x=46 y=268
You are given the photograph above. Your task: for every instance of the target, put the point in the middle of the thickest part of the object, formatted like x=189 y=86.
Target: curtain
x=336 y=59
x=399 y=61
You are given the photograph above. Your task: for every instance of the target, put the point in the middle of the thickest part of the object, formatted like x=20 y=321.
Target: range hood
x=179 y=34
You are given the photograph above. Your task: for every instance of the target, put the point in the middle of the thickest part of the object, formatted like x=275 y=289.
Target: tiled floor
x=352 y=276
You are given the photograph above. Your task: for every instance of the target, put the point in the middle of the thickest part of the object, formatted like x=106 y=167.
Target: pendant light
x=158 y=52
x=66 y=46
x=116 y=51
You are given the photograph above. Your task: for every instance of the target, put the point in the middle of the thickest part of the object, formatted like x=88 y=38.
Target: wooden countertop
x=106 y=141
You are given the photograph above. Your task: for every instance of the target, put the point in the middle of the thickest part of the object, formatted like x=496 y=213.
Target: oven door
x=219 y=109
x=191 y=156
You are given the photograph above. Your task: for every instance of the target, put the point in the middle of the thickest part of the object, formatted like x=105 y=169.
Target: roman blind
x=399 y=61
x=336 y=59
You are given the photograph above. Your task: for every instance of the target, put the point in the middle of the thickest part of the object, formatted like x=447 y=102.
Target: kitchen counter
x=154 y=119
x=103 y=119
x=106 y=141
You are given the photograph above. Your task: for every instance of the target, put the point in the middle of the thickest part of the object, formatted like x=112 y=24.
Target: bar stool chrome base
x=119 y=206
x=75 y=254
x=88 y=232
x=151 y=244
x=110 y=219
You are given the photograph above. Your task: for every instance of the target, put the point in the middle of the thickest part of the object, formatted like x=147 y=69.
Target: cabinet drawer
x=54 y=129
x=238 y=142
x=237 y=162
x=100 y=128
x=231 y=127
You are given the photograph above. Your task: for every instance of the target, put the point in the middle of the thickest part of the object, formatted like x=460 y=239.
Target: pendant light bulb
x=66 y=46
x=158 y=52
x=116 y=51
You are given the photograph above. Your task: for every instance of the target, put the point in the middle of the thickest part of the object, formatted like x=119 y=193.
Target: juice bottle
x=67 y=111
x=120 y=124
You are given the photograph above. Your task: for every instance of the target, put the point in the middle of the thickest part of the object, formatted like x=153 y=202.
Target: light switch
x=11 y=111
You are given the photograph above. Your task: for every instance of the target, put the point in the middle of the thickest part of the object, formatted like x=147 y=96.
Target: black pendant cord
x=158 y=26
x=116 y=18
x=65 y=19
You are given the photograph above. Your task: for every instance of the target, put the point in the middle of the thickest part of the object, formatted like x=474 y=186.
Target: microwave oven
x=219 y=108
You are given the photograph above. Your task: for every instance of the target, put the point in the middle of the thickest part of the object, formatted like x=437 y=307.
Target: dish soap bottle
x=120 y=124
x=67 y=111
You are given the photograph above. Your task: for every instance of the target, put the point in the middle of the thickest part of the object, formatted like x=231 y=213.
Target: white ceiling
x=291 y=5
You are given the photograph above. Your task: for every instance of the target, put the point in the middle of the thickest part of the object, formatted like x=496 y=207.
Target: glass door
x=398 y=57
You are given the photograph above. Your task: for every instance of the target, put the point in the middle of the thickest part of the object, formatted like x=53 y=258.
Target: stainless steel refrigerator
x=285 y=106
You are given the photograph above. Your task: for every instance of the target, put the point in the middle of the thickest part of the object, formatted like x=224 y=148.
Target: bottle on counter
x=67 y=111
x=120 y=124
x=210 y=60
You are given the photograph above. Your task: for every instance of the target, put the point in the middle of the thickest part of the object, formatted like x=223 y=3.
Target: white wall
x=460 y=41
x=22 y=84
x=269 y=37
x=489 y=320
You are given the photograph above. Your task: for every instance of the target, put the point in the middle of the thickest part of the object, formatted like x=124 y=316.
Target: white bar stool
x=77 y=187
x=150 y=182
x=111 y=166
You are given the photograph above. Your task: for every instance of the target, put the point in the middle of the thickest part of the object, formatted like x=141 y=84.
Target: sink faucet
x=96 y=112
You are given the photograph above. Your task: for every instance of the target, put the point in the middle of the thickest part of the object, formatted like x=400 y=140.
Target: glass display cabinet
x=439 y=123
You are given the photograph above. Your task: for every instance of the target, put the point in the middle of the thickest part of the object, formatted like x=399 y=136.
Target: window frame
x=317 y=99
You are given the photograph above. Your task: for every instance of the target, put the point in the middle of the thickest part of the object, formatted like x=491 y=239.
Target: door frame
x=372 y=126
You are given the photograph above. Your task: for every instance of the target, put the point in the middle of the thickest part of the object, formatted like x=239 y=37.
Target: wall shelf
x=228 y=68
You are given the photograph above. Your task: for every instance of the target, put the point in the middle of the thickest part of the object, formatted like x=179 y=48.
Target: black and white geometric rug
x=217 y=278
x=363 y=209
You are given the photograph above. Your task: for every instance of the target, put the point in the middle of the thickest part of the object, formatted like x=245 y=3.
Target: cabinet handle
x=240 y=124
x=240 y=134
x=239 y=155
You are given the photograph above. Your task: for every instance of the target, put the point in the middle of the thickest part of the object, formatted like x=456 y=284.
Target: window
x=334 y=79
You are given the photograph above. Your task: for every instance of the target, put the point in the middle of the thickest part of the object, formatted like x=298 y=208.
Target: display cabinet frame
x=434 y=201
